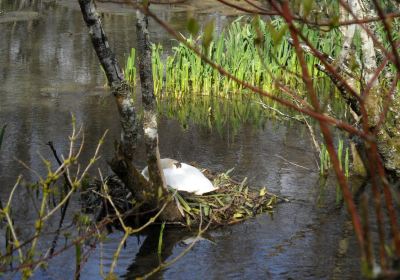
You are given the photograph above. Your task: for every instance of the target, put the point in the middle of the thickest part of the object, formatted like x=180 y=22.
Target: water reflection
x=50 y=70
x=147 y=258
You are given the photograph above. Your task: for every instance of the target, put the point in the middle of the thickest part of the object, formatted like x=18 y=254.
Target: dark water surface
x=49 y=70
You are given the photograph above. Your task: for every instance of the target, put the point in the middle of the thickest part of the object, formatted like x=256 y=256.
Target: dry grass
x=233 y=202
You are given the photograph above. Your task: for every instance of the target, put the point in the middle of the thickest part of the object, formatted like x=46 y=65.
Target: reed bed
x=233 y=202
x=259 y=53
x=255 y=51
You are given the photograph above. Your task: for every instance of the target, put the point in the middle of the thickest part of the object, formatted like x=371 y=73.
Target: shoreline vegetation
x=210 y=88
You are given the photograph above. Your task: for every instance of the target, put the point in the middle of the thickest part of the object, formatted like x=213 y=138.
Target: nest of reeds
x=233 y=201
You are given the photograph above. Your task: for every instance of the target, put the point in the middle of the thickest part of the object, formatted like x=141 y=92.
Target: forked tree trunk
x=144 y=191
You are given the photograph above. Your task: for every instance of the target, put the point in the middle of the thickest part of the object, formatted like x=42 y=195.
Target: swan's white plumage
x=183 y=177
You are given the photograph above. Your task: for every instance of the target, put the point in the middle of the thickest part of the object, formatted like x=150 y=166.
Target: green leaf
x=238 y=215
x=206 y=209
x=183 y=202
x=160 y=240
x=307 y=6
x=242 y=184
x=256 y=25
x=193 y=26
x=277 y=34
x=335 y=20
x=208 y=34
x=78 y=254
x=271 y=201
x=263 y=191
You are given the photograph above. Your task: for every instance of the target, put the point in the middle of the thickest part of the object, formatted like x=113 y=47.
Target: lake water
x=49 y=70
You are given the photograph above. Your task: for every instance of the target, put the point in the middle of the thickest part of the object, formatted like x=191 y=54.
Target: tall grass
x=343 y=155
x=241 y=52
x=344 y=163
x=130 y=67
x=192 y=91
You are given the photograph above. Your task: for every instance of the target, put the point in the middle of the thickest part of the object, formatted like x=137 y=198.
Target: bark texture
x=388 y=134
x=156 y=175
x=151 y=194
x=149 y=102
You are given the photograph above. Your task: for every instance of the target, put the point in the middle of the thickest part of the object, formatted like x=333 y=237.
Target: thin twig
x=292 y=163
x=6 y=212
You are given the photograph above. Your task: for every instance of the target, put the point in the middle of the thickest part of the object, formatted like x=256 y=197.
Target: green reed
x=255 y=51
x=239 y=51
x=130 y=67
x=157 y=68
x=343 y=156
x=344 y=163
x=340 y=154
x=324 y=160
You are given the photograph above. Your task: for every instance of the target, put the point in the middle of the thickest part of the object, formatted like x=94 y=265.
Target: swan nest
x=233 y=201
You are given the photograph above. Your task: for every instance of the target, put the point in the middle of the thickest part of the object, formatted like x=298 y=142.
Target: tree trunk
x=388 y=135
x=149 y=102
x=121 y=164
x=156 y=175
x=115 y=77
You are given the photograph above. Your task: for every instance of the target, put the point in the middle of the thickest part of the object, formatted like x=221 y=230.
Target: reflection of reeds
x=192 y=91
x=325 y=162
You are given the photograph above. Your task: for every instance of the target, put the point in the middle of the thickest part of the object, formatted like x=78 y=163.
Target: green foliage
x=326 y=164
x=32 y=256
x=255 y=51
x=193 y=26
x=208 y=34
x=307 y=6
x=160 y=240
x=233 y=202
x=130 y=67
x=325 y=161
x=277 y=33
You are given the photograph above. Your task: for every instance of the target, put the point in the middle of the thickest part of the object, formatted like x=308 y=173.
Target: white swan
x=183 y=177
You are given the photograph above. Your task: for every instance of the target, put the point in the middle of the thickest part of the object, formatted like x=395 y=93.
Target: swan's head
x=165 y=163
